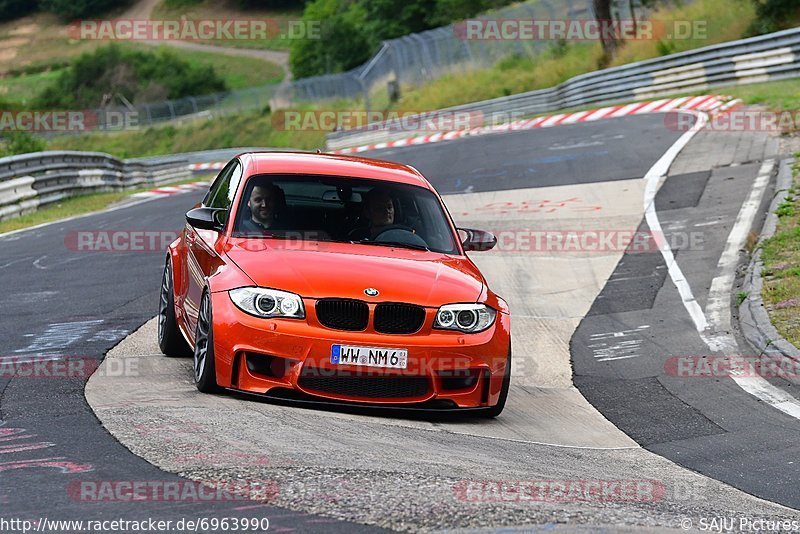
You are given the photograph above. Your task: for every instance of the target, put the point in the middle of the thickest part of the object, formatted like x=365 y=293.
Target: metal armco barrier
x=768 y=57
x=32 y=180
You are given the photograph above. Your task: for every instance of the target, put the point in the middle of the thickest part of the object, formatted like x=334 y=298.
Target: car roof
x=330 y=165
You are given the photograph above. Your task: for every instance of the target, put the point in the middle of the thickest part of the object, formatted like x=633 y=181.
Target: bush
x=13 y=143
x=774 y=15
x=352 y=30
x=341 y=45
x=12 y=9
x=136 y=75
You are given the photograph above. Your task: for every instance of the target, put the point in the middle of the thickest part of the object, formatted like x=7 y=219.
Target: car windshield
x=340 y=209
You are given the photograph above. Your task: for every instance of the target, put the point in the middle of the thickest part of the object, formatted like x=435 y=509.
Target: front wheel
x=497 y=409
x=170 y=339
x=205 y=377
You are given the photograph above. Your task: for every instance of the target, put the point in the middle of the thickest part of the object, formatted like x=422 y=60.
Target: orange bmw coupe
x=334 y=279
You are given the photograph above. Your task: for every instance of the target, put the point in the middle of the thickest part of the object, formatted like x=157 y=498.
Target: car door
x=201 y=258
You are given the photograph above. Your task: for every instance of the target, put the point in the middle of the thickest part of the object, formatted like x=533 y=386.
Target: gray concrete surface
x=400 y=474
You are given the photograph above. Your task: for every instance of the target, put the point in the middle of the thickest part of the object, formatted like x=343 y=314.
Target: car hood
x=345 y=270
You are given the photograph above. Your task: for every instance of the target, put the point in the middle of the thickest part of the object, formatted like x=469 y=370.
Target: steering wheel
x=393 y=227
x=400 y=233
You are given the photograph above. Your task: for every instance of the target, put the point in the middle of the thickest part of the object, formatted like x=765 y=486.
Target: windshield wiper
x=412 y=246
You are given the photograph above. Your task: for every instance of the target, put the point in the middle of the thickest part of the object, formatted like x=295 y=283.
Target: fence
x=32 y=180
x=769 y=57
x=413 y=60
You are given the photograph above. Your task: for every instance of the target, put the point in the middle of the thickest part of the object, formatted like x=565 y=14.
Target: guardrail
x=768 y=57
x=32 y=180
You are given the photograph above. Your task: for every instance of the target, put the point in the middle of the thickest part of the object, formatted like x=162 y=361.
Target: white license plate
x=369 y=356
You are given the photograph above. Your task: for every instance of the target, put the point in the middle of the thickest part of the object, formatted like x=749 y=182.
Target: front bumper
x=263 y=356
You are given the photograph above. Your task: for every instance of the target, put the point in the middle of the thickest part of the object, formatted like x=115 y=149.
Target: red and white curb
x=711 y=104
x=171 y=190
x=705 y=103
x=214 y=166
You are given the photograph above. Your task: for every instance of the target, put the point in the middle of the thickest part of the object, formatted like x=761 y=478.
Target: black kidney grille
x=343 y=314
x=398 y=318
x=373 y=387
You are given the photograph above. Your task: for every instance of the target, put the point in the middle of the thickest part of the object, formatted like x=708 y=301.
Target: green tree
x=272 y=4
x=352 y=30
x=388 y=19
x=12 y=9
x=342 y=44
x=774 y=15
x=447 y=11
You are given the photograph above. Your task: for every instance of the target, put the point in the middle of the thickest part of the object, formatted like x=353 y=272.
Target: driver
x=264 y=203
x=379 y=212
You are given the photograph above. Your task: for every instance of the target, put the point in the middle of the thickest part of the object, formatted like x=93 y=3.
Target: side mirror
x=477 y=240
x=206 y=218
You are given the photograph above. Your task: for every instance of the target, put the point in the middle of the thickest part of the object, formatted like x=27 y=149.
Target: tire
x=205 y=377
x=497 y=409
x=170 y=340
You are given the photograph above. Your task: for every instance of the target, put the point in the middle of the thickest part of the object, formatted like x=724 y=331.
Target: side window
x=221 y=178
x=221 y=196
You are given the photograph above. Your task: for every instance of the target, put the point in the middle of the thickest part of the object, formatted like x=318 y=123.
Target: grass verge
x=239 y=72
x=781 y=256
x=247 y=129
x=777 y=96
x=724 y=20
x=73 y=206
x=230 y=10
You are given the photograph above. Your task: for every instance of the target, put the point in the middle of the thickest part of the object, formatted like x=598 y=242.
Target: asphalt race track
x=606 y=322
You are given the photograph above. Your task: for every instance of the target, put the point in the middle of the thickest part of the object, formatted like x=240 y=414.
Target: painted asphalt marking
x=714 y=333
x=652 y=179
x=620 y=345
x=58 y=336
x=718 y=307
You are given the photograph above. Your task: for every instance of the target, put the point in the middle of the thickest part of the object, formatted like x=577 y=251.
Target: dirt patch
x=25 y=29
x=16 y=42
x=790 y=143
x=8 y=54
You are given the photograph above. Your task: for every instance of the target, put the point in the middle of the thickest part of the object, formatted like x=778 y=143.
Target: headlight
x=469 y=318
x=268 y=302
